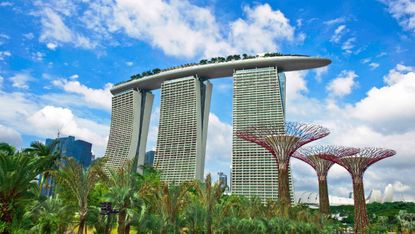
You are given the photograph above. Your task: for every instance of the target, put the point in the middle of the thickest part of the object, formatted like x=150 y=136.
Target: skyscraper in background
x=149 y=158
x=69 y=147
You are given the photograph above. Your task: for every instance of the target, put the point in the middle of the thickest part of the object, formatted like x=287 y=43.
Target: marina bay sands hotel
x=258 y=98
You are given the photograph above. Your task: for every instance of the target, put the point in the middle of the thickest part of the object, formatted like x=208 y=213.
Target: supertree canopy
x=357 y=165
x=282 y=142
x=311 y=154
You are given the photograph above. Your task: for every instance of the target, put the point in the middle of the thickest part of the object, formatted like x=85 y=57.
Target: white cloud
x=129 y=63
x=4 y=54
x=1 y=82
x=184 y=29
x=74 y=77
x=28 y=115
x=54 y=30
x=261 y=30
x=219 y=140
x=383 y=118
x=403 y=11
x=100 y=98
x=38 y=56
x=373 y=66
x=10 y=136
x=6 y=4
x=51 y=45
x=295 y=84
x=343 y=84
x=338 y=33
x=335 y=21
x=21 y=80
x=29 y=36
x=49 y=120
x=349 y=45
x=320 y=72
x=390 y=108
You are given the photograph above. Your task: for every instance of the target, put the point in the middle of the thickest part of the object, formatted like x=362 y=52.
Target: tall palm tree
x=17 y=172
x=79 y=182
x=124 y=184
x=7 y=149
x=209 y=194
x=54 y=156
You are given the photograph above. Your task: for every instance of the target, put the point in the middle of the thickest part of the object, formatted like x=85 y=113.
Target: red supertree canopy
x=311 y=155
x=358 y=163
x=301 y=132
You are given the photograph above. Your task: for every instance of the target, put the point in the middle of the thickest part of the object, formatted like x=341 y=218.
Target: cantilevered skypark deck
x=222 y=69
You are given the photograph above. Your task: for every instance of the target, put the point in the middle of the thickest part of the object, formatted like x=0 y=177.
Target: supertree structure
x=357 y=165
x=282 y=142
x=310 y=155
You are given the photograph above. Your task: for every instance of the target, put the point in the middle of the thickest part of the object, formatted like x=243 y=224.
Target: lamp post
x=106 y=210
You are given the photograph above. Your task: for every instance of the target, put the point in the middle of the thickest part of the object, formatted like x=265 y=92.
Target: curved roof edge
x=224 y=69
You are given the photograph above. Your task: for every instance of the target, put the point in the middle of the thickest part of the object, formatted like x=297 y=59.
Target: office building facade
x=258 y=99
x=69 y=147
x=181 y=142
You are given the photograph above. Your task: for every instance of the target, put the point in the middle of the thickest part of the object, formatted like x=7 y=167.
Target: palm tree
x=7 y=149
x=79 y=182
x=124 y=185
x=50 y=216
x=17 y=172
x=54 y=156
x=209 y=194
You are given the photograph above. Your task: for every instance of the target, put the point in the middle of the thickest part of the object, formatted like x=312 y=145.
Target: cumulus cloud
x=10 y=136
x=343 y=84
x=390 y=108
x=21 y=80
x=184 y=29
x=295 y=84
x=262 y=28
x=372 y=121
x=49 y=120
x=27 y=114
x=100 y=98
x=403 y=11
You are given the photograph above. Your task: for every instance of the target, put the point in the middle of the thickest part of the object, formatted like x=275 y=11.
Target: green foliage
x=146 y=204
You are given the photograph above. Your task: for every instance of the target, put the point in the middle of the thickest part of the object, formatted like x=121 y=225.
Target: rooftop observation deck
x=222 y=69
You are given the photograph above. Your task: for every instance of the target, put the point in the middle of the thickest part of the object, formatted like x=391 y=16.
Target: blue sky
x=58 y=60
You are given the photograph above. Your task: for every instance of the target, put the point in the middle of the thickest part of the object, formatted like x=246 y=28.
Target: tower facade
x=130 y=121
x=181 y=141
x=258 y=99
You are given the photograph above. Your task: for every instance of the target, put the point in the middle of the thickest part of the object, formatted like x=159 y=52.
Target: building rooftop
x=222 y=69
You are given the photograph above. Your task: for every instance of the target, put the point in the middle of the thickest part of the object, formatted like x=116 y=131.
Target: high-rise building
x=258 y=99
x=130 y=121
x=223 y=179
x=181 y=142
x=149 y=158
x=69 y=147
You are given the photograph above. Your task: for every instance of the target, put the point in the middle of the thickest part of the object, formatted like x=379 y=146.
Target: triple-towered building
x=258 y=98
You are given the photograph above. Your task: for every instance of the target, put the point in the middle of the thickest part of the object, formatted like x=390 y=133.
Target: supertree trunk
x=323 y=194
x=284 y=187
x=360 y=212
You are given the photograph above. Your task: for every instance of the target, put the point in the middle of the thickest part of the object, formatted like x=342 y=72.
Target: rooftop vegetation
x=207 y=61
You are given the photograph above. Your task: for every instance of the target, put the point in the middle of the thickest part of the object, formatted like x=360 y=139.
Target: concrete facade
x=130 y=121
x=258 y=99
x=181 y=142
